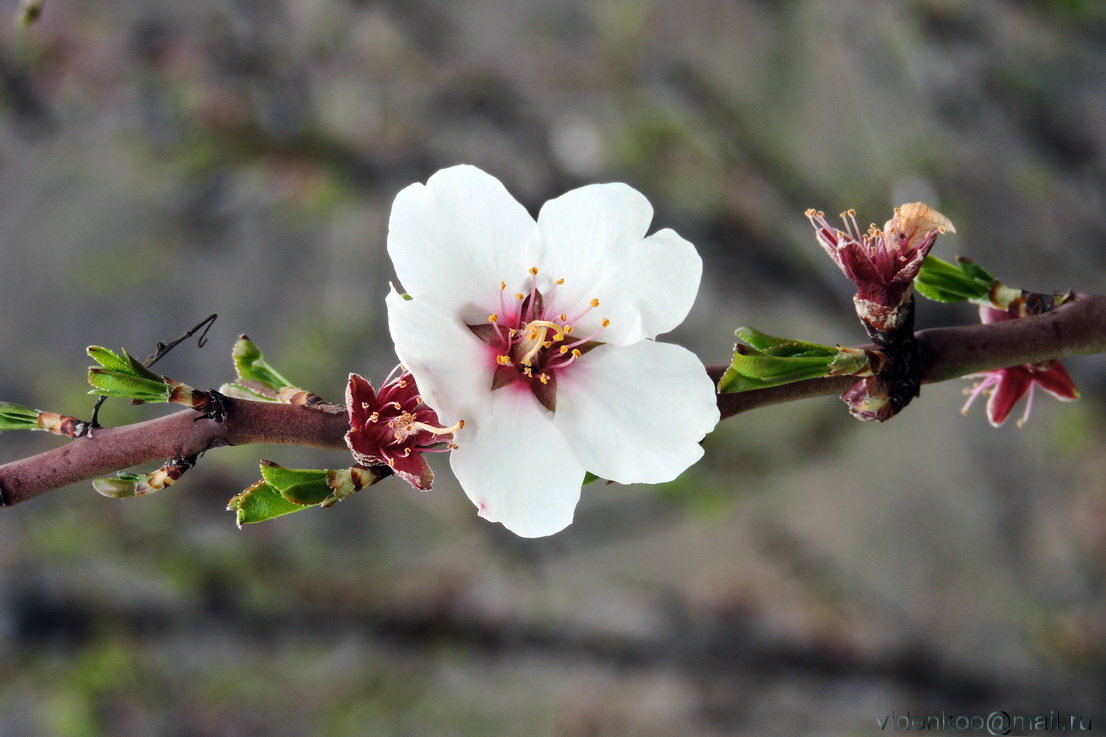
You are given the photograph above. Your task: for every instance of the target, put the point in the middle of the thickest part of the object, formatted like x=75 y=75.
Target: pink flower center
x=532 y=341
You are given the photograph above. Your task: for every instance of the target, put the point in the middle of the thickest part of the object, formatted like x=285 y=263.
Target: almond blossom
x=539 y=337
x=394 y=427
x=882 y=263
x=1007 y=386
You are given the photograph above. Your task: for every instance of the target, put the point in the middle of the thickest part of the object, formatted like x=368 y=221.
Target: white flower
x=539 y=336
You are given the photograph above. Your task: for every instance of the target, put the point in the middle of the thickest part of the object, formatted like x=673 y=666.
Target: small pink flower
x=1007 y=386
x=882 y=264
x=395 y=427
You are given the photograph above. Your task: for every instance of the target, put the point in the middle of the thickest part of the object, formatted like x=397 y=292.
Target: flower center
x=533 y=341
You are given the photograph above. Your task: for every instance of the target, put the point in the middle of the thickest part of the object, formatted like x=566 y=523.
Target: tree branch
x=1076 y=328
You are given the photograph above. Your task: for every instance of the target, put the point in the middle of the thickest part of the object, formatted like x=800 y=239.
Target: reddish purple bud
x=395 y=427
x=1007 y=386
x=882 y=263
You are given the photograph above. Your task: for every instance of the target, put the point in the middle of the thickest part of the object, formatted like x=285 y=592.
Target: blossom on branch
x=882 y=263
x=395 y=427
x=1007 y=386
x=539 y=335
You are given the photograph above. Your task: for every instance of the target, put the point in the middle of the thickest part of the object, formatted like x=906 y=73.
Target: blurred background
x=160 y=161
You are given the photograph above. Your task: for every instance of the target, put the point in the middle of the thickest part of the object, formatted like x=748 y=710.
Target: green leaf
x=589 y=477
x=975 y=271
x=242 y=390
x=766 y=360
x=17 y=417
x=260 y=502
x=107 y=358
x=302 y=486
x=941 y=281
x=121 y=487
x=116 y=384
x=281 y=478
x=251 y=366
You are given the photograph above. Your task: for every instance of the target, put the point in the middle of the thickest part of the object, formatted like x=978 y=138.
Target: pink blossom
x=882 y=263
x=1007 y=386
x=394 y=427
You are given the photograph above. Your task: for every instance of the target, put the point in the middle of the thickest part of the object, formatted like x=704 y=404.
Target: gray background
x=160 y=161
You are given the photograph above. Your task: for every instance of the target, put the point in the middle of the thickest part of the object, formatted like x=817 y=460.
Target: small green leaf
x=121 y=487
x=260 y=502
x=251 y=365
x=281 y=478
x=108 y=358
x=247 y=391
x=17 y=417
x=975 y=271
x=115 y=384
x=941 y=281
x=766 y=360
x=589 y=477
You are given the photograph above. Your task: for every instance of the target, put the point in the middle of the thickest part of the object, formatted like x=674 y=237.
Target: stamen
x=391 y=374
x=594 y=301
x=519 y=296
x=503 y=360
x=533 y=271
x=493 y=317
x=605 y=323
x=543 y=378
x=423 y=427
x=568 y=330
x=560 y=281
x=374 y=417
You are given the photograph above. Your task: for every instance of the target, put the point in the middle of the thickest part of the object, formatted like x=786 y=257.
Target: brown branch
x=173 y=436
x=1076 y=328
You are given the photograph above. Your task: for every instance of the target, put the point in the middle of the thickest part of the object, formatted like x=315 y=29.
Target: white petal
x=456 y=237
x=636 y=414
x=586 y=229
x=452 y=367
x=594 y=237
x=660 y=279
x=517 y=469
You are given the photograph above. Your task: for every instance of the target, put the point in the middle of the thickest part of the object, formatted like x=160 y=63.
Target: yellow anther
x=533 y=271
x=529 y=372
x=562 y=317
x=547 y=344
x=568 y=329
x=401 y=384
x=513 y=332
x=502 y=285
x=594 y=301
x=532 y=335
x=561 y=281
x=563 y=350
x=374 y=417
x=543 y=378
x=810 y=212
x=518 y=296
x=576 y=352
x=605 y=322
x=493 y=317
x=364 y=405
x=503 y=360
